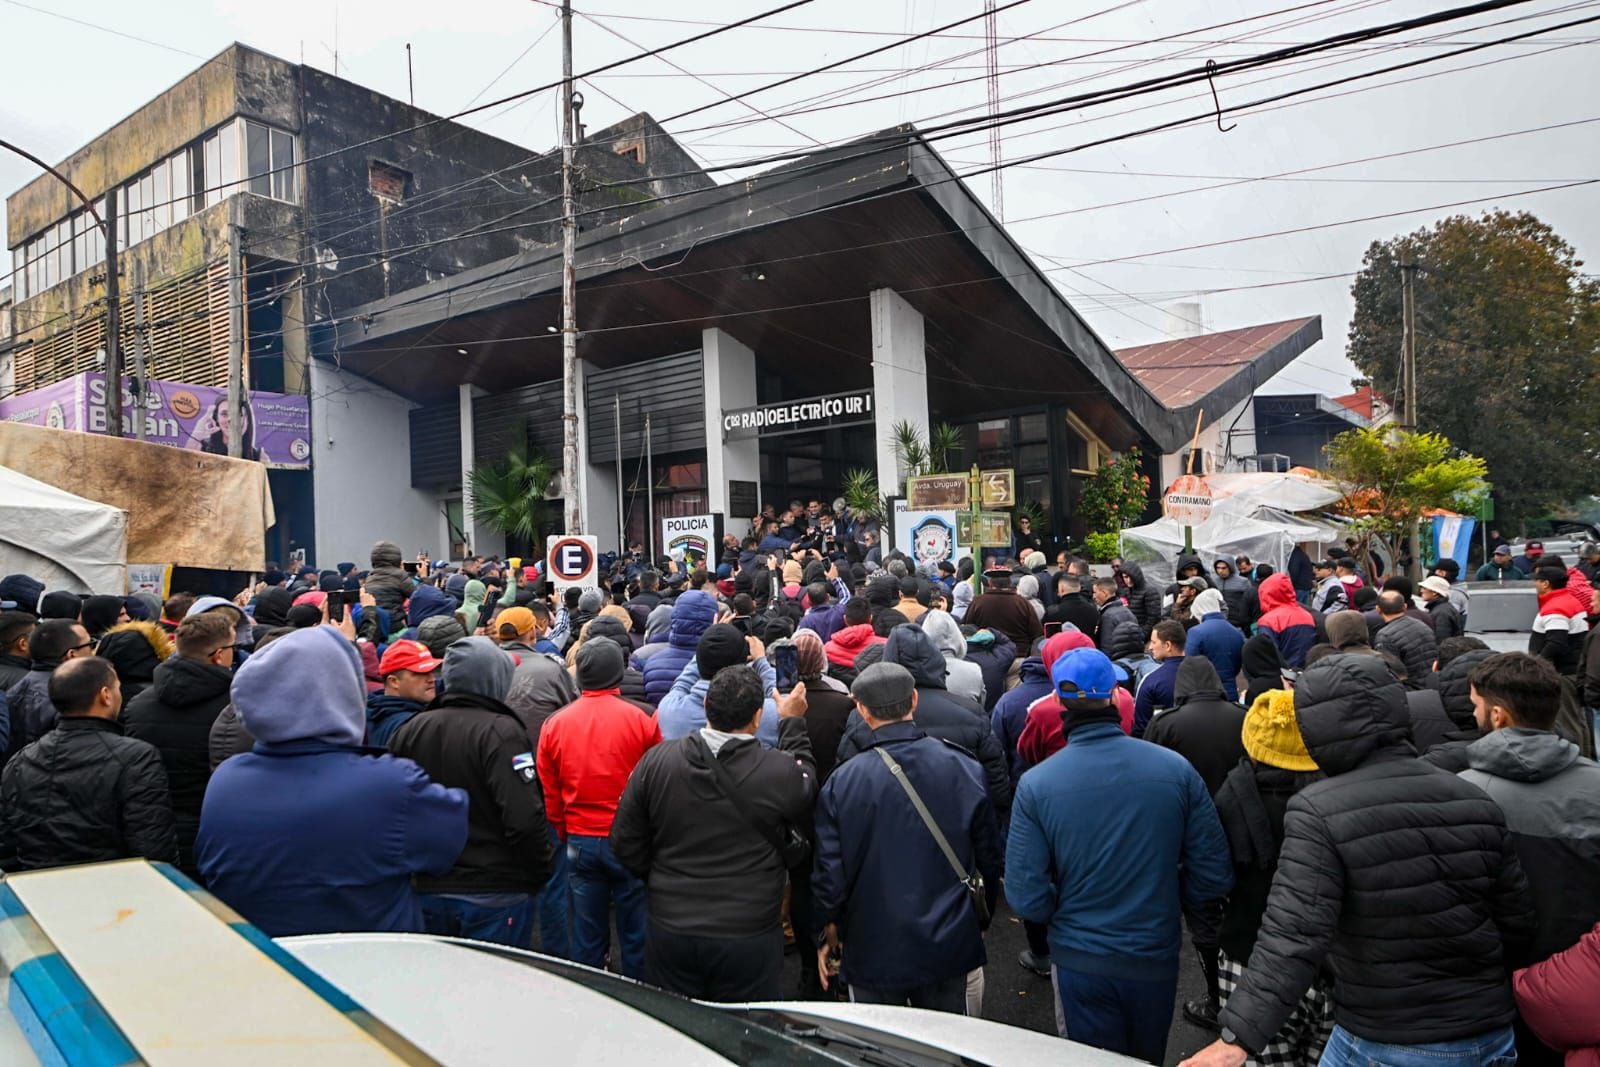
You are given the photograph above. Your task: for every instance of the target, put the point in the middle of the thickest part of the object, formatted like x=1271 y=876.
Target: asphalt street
x=1019 y=998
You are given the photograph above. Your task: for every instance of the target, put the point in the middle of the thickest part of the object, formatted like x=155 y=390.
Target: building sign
x=998 y=489
x=798 y=416
x=937 y=492
x=692 y=539
x=152 y=578
x=277 y=428
x=928 y=536
x=570 y=561
x=743 y=500
x=984 y=529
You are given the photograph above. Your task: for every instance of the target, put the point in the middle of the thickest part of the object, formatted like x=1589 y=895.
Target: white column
x=464 y=394
x=730 y=380
x=899 y=379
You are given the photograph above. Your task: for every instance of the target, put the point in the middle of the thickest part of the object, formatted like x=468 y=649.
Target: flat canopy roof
x=785 y=262
x=1217 y=370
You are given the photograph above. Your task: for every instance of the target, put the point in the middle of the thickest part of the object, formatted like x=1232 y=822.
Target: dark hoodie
x=386 y=713
x=272 y=608
x=1191 y=561
x=175 y=714
x=1143 y=601
x=135 y=649
x=1262 y=667
x=1205 y=727
x=1235 y=590
x=100 y=613
x=939 y=713
x=426 y=602
x=1406 y=875
x=1289 y=625
x=608 y=628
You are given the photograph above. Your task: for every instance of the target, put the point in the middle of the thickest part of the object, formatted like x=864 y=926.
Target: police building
x=739 y=344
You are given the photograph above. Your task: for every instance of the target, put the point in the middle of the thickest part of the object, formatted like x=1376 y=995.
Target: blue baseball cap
x=1085 y=674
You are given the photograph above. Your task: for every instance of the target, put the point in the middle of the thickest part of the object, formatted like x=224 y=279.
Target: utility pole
x=141 y=348
x=572 y=477
x=1408 y=341
x=235 y=332
x=108 y=226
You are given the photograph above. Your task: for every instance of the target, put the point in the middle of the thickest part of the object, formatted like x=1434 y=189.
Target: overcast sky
x=1123 y=264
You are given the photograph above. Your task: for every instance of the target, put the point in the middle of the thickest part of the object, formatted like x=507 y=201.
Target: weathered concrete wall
x=239 y=80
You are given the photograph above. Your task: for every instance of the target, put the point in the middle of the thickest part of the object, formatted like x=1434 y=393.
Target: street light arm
x=62 y=178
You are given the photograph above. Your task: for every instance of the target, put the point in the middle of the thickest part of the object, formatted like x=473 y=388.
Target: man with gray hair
x=897 y=821
x=470 y=740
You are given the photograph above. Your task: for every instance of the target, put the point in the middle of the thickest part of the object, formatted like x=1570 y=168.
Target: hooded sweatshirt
x=1010 y=713
x=1288 y=625
x=657 y=625
x=427 y=602
x=1217 y=640
x=961 y=678
x=272 y=607
x=311 y=833
x=847 y=643
x=692 y=614
x=1206 y=727
x=100 y=613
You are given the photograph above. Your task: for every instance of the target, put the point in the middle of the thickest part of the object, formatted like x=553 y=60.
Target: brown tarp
x=185 y=507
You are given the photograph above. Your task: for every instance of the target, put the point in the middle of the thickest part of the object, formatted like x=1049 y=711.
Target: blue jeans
x=1126 y=1015
x=554 y=904
x=599 y=881
x=510 y=924
x=1496 y=1048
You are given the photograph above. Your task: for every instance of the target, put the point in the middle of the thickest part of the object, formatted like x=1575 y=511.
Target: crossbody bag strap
x=922 y=809
x=731 y=792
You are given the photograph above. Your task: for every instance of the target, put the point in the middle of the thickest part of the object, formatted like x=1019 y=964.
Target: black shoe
x=1203 y=1013
x=1032 y=963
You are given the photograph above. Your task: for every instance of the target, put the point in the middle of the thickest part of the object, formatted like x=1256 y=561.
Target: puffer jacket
x=1559 y=629
x=692 y=614
x=1285 y=622
x=1456 y=691
x=85 y=794
x=1414 y=642
x=1404 y=880
x=1430 y=725
x=1121 y=636
x=962 y=678
x=1143 y=600
x=1551 y=799
x=175 y=715
x=391 y=587
x=32 y=714
x=939 y=713
x=1556 y=998
x=994 y=653
x=135 y=650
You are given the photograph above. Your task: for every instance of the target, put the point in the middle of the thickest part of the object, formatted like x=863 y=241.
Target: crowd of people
x=1382 y=839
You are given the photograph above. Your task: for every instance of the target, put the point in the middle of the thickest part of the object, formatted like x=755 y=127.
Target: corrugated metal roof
x=1185 y=371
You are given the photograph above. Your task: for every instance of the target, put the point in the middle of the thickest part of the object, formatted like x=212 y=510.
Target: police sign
x=571 y=560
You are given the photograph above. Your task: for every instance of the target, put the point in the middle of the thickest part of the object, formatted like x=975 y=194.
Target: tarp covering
x=1251 y=515
x=187 y=508
x=65 y=541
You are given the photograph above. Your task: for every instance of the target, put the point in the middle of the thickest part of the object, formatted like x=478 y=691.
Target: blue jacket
x=1109 y=837
x=385 y=715
x=904 y=917
x=692 y=614
x=683 y=710
x=1157 y=690
x=1011 y=711
x=1219 y=641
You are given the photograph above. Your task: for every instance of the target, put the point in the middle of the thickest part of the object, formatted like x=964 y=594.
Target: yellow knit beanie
x=1272 y=736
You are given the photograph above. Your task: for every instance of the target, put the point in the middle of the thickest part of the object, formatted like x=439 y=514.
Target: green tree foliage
x=509 y=493
x=930 y=454
x=1116 y=495
x=1508 y=351
x=1394 y=476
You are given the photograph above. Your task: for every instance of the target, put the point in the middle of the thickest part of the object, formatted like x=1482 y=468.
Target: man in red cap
x=410 y=673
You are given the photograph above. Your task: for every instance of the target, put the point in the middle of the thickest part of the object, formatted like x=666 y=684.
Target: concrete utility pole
x=235 y=331
x=108 y=226
x=572 y=478
x=141 y=346
x=1408 y=343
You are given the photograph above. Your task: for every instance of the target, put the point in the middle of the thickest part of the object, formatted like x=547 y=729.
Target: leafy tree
x=1116 y=495
x=509 y=493
x=1508 y=350
x=1394 y=476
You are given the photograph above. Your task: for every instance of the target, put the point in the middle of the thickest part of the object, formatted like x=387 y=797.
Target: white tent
x=65 y=541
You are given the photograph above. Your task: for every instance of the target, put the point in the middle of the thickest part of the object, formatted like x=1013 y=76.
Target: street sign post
x=1188 y=500
x=572 y=560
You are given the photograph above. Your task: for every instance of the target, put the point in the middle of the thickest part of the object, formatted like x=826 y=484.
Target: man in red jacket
x=587 y=750
x=1562 y=622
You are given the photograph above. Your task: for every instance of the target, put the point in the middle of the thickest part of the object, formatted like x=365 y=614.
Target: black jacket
x=175 y=715
x=476 y=744
x=1144 y=600
x=1401 y=878
x=12 y=670
x=32 y=714
x=939 y=712
x=1430 y=726
x=1456 y=691
x=84 y=793
x=1251 y=804
x=1447 y=620
x=828 y=711
x=1120 y=636
x=1077 y=608
x=1414 y=643
x=710 y=872
x=1205 y=726
x=136 y=650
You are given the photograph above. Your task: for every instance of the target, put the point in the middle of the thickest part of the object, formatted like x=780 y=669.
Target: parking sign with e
x=571 y=560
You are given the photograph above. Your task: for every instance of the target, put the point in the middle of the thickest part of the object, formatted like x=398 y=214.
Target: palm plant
x=862 y=496
x=509 y=494
x=931 y=454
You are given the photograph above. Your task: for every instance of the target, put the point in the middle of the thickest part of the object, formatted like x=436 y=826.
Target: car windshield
x=745 y=1035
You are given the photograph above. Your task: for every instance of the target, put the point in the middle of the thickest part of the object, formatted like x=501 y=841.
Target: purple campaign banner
x=277 y=427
